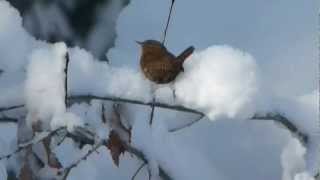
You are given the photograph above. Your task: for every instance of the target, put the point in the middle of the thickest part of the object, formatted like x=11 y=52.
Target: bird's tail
x=185 y=54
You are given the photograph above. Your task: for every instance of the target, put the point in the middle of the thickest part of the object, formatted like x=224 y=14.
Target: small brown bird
x=158 y=64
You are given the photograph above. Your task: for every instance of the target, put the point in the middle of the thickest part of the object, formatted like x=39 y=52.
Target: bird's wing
x=163 y=71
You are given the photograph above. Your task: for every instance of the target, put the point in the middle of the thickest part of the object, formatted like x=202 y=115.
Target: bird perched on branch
x=158 y=64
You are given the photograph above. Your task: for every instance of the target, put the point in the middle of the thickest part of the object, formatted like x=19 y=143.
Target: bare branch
x=11 y=107
x=138 y=170
x=67 y=170
x=186 y=125
x=117 y=99
x=31 y=142
x=6 y=119
x=66 y=79
x=131 y=101
x=85 y=138
x=278 y=118
x=152 y=111
x=62 y=139
x=103 y=116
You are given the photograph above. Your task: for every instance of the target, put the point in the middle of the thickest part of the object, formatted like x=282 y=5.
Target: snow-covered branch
x=273 y=116
x=45 y=87
x=34 y=141
x=133 y=101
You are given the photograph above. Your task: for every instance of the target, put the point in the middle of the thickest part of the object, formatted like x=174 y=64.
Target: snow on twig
x=31 y=142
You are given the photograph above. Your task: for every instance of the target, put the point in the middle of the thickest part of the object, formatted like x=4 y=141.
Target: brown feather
x=158 y=64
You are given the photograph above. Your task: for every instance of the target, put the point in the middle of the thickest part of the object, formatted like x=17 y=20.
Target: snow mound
x=303 y=176
x=44 y=88
x=220 y=81
x=68 y=119
x=293 y=162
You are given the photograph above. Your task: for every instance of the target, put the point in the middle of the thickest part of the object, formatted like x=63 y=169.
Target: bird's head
x=151 y=45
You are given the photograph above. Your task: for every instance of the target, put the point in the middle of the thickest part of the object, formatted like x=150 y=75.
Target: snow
x=66 y=119
x=303 y=112
x=292 y=159
x=3 y=151
x=45 y=83
x=11 y=88
x=99 y=165
x=163 y=150
x=226 y=81
x=303 y=176
x=3 y=172
x=222 y=81
x=91 y=116
x=45 y=91
x=90 y=76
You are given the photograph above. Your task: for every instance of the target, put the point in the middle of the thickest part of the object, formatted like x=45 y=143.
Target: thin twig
x=11 y=107
x=124 y=100
x=152 y=111
x=149 y=173
x=277 y=117
x=5 y=119
x=31 y=142
x=76 y=163
x=62 y=139
x=186 y=125
x=168 y=21
x=138 y=102
x=138 y=170
x=103 y=116
x=66 y=79
x=129 y=148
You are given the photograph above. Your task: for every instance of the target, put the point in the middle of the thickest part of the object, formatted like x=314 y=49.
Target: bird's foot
x=174 y=95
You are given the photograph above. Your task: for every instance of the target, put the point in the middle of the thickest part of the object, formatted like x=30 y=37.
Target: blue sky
x=280 y=34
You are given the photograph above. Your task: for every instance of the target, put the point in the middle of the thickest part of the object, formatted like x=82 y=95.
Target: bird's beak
x=138 y=42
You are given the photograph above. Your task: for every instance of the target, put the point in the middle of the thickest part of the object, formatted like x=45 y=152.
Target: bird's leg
x=153 y=90
x=152 y=111
x=174 y=94
x=172 y=87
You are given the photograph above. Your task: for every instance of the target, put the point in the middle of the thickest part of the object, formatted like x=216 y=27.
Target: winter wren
x=158 y=64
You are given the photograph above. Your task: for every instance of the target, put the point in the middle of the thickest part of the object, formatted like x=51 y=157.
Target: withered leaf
x=26 y=172
x=53 y=161
x=116 y=146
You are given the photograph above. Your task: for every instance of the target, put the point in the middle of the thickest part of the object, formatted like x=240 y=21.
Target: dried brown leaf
x=53 y=161
x=26 y=172
x=116 y=146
